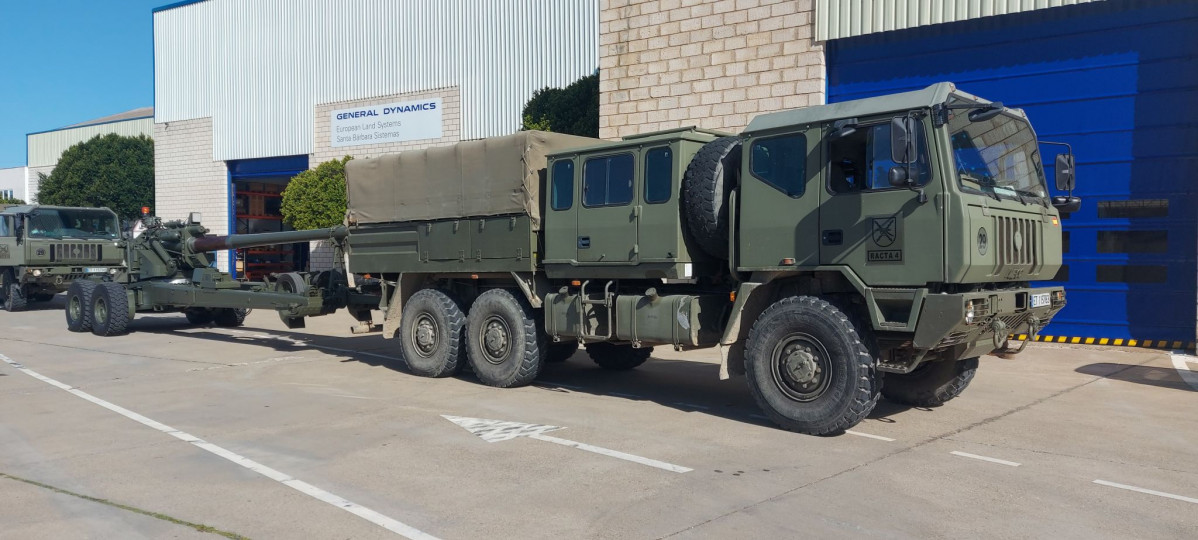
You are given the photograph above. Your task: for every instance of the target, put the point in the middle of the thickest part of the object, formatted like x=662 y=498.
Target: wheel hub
x=426 y=335
x=801 y=367
x=496 y=340
x=100 y=312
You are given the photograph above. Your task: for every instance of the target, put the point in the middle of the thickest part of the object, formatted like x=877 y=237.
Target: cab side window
x=561 y=192
x=5 y=226
x=607 y=180
x=781 y=162
x=861 y=161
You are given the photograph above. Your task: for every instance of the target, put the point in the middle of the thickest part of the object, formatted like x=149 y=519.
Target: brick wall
x=451 y=116
x=186 y=179
x=665 y=64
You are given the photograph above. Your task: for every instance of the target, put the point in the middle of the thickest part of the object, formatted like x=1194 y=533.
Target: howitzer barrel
x=216 y=243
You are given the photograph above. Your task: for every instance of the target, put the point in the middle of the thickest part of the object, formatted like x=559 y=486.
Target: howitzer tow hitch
x=1002 y=339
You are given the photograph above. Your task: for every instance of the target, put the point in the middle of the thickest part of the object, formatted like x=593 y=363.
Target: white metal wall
x=846 y=18
x=259 y=67
x=44 y=149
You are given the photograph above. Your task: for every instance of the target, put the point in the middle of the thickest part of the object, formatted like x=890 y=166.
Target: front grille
x=1016 y=245
x=69 y=251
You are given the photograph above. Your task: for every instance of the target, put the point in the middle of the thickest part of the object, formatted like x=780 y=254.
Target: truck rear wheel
x=502 y=341
x=109 y=310
x=430 y=334
x=561 y=351
x=808 y=369
x=617 y=356
x=930 y=385
x=13 y=292
x=230 y=317
x=708 y=180
x=79 y=302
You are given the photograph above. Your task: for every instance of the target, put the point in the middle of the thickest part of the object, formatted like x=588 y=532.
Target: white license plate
x=95 y=270
x=1040 y=300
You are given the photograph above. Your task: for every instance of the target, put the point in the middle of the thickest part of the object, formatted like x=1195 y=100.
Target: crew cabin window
x=562 y=190
x=659 y=164
x=6 y=228
x=781 y=162
x=607 y=181
x=862 y=160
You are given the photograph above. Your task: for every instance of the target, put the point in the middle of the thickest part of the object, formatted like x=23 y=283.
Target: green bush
x=7 y=200
x=109 y=170
x=572 y=110
x=315 y=199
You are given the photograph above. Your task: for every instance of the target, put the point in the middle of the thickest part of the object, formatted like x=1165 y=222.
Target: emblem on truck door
x=982 y=241
x=885 y=231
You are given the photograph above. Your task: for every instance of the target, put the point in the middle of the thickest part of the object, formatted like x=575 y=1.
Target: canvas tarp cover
x=487 y=177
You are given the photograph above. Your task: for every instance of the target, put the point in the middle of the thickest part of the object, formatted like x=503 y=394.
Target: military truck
x=832 y=254
x=44 y=248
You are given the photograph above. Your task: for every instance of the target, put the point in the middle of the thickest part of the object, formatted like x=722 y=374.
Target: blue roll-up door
x=1119 y=81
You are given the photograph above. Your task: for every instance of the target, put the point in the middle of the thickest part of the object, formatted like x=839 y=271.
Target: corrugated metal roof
x=143 y=112
x=260 y=68
x=836 y=19
x=44 y=149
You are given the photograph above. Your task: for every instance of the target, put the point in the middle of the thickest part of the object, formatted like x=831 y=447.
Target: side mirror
x=843 y=128
x=1064 y=171
x=1067 y=204
x=981 y=115
x=902 y=140
x=897 y=176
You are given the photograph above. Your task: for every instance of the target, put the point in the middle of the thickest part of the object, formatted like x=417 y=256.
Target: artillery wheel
x=560 y=351
x=708 y=180
x=199 y=316
x=808 y=368
x=430 y=334
x=502 y=341
x=618 y=356
x=13 y=292
x=230 y=317
x=110 y=310
x=79 y=303
x=932 y=384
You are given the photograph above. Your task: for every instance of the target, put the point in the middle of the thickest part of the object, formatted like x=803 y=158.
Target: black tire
x=14 y=293
x=560 y=351
x=430 y=334
x=230 y=317
x=708 y=180
x=502 y=341
x=79 y=303
x=808 y=368
x=930 y=385
x=618 y=356
x=199 y=316
x=110 y=310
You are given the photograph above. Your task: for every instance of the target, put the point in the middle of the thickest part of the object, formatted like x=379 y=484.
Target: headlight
x=969 y=313
x=37 y=273
x=112 y=271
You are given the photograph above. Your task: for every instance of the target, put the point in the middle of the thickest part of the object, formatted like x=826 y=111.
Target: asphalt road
x=267 y=433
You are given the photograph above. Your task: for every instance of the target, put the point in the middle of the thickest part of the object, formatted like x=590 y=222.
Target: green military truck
x=44 y=248
x=832 y=254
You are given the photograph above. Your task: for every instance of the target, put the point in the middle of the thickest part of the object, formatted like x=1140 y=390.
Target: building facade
x=12 y=183
x=44 y=148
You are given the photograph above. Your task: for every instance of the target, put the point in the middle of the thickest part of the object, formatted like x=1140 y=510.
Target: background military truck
x=44 y=248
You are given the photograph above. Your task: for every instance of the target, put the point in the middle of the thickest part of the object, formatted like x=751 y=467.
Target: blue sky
x=66 y=61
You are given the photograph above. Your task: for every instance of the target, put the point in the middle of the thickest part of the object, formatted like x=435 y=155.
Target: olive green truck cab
x=44 y=248
x=832 y=254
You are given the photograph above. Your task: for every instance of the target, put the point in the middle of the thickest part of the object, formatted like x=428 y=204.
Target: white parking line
x=299 y=485
x=868 y=436
x=1179 y=363
x=1148 y=491
x=613 y=453
x=984 y=458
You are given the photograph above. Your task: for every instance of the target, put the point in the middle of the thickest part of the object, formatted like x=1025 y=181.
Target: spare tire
x=708 y=180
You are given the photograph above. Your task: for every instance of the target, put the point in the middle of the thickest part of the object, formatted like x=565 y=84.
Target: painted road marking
x=984 y=458
x=868 y=436
x=1148 y=491
x=1179 y=363
x=299 y=485
x=502 y=430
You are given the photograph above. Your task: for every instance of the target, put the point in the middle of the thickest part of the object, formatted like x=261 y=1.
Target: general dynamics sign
x=390 y=123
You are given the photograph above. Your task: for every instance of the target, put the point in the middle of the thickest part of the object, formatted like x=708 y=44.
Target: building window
x=1133 y=241
x=607 y=181
x=781 y=162
x=659 y=165
x=6 y=194
x=1138 y=208
x=1132 y=273
x=862 y=160
x=562 y=192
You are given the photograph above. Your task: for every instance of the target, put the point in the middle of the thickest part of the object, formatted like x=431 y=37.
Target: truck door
x=607 y=221
x=883 y=233
x=779 y=196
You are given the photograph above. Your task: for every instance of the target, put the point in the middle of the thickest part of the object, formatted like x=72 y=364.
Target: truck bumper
x=59 y=278
x=971 y=324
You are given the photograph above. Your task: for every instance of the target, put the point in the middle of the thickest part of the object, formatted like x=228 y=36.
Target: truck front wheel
x=430 y=334
x=930 y=385
x=808 y=368
x=13 y=293
x=502 y=340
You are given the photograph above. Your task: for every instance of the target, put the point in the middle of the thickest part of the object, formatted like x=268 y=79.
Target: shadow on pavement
x=1152 y=376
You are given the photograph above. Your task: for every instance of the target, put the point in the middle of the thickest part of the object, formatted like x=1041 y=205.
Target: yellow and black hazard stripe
x=1117 y=342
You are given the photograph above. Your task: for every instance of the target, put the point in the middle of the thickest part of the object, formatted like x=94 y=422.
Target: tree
x=11 y=200
x=315 y=199
x=109 y=170
x=573 y=110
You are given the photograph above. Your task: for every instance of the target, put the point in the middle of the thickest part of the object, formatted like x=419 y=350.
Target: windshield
x=64 y=223
x=997 y=157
